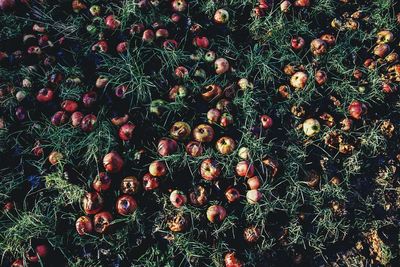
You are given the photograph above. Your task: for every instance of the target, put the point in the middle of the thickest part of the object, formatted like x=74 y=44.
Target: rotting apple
x=216 y=213
x=209 y=169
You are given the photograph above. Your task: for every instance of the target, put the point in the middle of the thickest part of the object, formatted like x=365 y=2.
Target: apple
x=112 y=23
x=244 y=84
x=126 y=131
x=311 y=127
x=41 y=251
x=231 y=260
x=76 y=118
x=89 y=99
x=211 y=92
x=177 y=92
x=301 y=3
x=180 y=131
x=125 y=205
x=216 y=213
x=384 y=37
x=226 y=120
x=194 y=149
x=253 y=196
x=178 y=223
x=7 y=4
x=101 y=82
x=148 y=36
x=175 y=18
x=119 y=121
x=297 y=43
x=221 y=65
x=122 y=47
x=201 y=42
x=179 y=5
x=244 y=153
x=198 y=197
x=55 y=157
x=177 y=198
x=157 y=168
x=225 y=145
x=203 y=133
x=45 y=95
x=209 y=169
x=92 y=202
x=320 y=77
x=213 y=115
x=150 y=182
x=285 y=6
x=244 y=169
x=84 y=225
x=102 y=222
x=232 y=194
x=113 y=162
x=181 y=72
x=299 y=80
x=102 y=182
x=381 y=50
x=251 y=234
x=95 y=10
x=253 y=182
x=266 y=121
x=88 y=123
x=329 y=39
x=162 y=33
x=221 y=16
x=166 y=147
x=210 y=56
x=318 y=47
x=69 y=106
x=130 y=185
x=59 y=118
x=357 y=109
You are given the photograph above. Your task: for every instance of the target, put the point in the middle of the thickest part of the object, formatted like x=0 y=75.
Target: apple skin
x=84 y=225
x=244 y=169
x=125 y=205
x=311 y=127
x=209 y=169
x=203 y=133
x=225 y=145
x=177 y=198
x=194 y=149
x=157 y=168
x=166 y=146
x=113 y=162
x=253 y=196
x=102 y=222
x=216 y=213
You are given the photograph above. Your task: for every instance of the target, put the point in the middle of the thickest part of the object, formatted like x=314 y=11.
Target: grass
x=257 y=48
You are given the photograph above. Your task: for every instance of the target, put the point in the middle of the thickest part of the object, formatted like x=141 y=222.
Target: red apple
x=216 y=213
x=167 y=146
x=245 y=169
x=102 y=222
x=125 y=205
x=84 y=225
x=209 y=169
x=45 y=95
x=297 y=43
x=221 y=65
x=88 y=123
x=266 y=121
x=112 y=23
x=150 y=182
x=126 y=131
x=40 y=252
x=157 y=168
x=231 y=260
x=253 y=182
x=213 y=115
x=89 y=99
x=177 y=198
x=178 y=5
x=122 y=47
x=102 y=182
x=69 y=106
x=253 y=196
x=357 y=109
x=194 y=148
x=76 y=118
x=201 y=42
x=232 y=194
x=92 y=202
x=113 y=162
x=59 y=118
